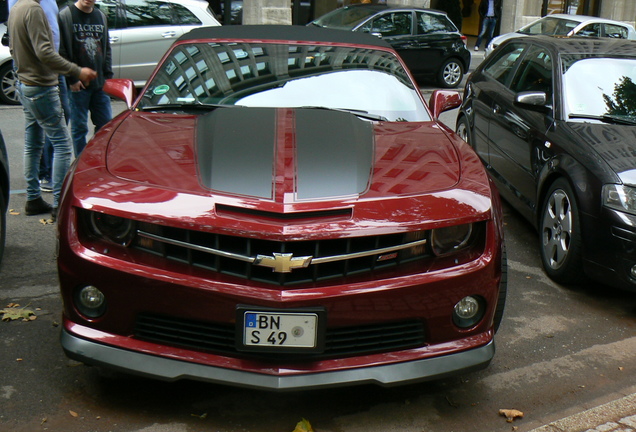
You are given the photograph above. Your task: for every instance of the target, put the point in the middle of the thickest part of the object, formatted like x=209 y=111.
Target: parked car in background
x=4 y=194
x=554 y=121
x=427 y=40
x=8 y=77
x=569 y=25
x=280 y=210
x=141 y=31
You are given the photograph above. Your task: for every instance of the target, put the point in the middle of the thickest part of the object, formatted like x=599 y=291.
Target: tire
x=503 y=290
x=3 y=225
x=450 y=74
x=560 y=240
x=8 y=80
x=462 y=129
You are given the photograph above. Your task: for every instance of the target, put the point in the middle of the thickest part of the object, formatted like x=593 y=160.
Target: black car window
x=501 y=66
x=142 y=13
x=390 y=24
x=534 y=73
x=429 y=23
x=593 y=30
x=615 y=31
x=184 y=16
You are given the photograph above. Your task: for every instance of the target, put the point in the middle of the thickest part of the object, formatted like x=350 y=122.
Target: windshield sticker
x=162 y=89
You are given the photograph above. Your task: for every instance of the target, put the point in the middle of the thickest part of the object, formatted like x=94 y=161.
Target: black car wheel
x=3 y=225
x=503 y=290
x=463 y=129
x=8 y=81
x=450 y=74
x=560 y=234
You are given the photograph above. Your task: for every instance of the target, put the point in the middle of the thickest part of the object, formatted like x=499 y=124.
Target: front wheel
x=450 y=74
x=462 y=129
x=560 y=234
x=8 y=82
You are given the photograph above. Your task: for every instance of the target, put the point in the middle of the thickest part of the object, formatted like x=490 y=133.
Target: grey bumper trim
x=97 y=354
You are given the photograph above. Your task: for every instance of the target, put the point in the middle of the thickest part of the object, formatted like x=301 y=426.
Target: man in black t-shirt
x=84 y=41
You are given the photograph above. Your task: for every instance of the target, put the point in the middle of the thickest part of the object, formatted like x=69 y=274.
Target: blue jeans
x=43 y=116
x=95 y=101
x=487 y=27
x=46 y=162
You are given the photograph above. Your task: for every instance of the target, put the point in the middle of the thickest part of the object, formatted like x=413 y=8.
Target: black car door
x=518 y=132
x=482 y=90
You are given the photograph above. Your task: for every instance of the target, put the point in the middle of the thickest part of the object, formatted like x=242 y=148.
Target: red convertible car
x=279 y=209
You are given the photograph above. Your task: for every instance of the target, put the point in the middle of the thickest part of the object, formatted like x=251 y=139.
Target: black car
x=4 y=193
x=427 y=40
x=554 y=121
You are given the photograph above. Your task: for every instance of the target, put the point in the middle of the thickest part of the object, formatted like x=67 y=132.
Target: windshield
x=345 y=18
x=370 y=83
x=550 y=26
x=609 y=83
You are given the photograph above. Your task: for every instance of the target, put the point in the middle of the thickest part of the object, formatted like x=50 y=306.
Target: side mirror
x=444 y=100
x=122 y=89
x=536 y=99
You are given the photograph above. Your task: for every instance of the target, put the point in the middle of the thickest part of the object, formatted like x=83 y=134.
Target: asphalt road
x=560 y=350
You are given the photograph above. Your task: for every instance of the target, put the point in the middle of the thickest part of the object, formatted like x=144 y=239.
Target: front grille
x=231 y=255
x=220 y=338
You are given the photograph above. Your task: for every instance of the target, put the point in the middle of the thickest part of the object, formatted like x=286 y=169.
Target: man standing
x=84 y=40
x=38 y=65
x=489 y=11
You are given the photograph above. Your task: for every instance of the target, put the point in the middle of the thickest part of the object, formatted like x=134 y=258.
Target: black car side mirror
x=533 y=99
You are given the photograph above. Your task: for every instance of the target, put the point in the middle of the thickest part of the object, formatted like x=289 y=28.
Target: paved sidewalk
x=616 y=416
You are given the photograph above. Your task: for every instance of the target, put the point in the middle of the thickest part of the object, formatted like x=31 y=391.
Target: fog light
x=468 y=311
x=90 y=301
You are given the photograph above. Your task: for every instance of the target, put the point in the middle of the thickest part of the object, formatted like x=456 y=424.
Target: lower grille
x=220 y=338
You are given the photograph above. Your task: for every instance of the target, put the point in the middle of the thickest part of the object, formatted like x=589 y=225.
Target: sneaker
x=46 y=186
x=476 y=48
x=36 y=207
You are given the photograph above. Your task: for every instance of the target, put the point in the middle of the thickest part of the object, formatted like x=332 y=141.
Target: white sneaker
x=476 y=48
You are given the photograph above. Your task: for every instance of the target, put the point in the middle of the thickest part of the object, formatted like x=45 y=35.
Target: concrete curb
x=618 y=415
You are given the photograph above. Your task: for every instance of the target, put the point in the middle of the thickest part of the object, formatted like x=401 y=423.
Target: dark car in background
x=280 y=210
x=430 y=44
x=554 y=121
x=4 y=194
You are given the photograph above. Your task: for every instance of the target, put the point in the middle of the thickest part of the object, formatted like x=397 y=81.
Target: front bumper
x=148 y=365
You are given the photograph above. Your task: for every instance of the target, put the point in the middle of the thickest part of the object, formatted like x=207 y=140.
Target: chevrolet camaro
x=280 y=209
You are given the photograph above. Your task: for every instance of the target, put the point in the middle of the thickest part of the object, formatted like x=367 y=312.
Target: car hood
x=282 y=155
x=615 y=144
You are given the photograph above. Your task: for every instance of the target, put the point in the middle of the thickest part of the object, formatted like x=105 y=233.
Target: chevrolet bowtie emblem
x=282 y=262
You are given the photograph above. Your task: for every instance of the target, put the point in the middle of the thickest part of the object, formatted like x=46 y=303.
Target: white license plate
x=280 y=329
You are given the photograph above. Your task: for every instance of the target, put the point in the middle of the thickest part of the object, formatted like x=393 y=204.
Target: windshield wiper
x=186 y=106
x=607 y=118
x=358 y=113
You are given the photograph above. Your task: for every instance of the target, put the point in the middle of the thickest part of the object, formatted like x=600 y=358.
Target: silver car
x=569 y=25
x=140 y=31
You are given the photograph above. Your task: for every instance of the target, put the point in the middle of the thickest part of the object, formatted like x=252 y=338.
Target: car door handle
x=169 y=34
x=497 y=109
x=113 y=39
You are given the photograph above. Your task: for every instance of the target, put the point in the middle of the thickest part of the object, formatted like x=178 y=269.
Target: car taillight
x=465 y=40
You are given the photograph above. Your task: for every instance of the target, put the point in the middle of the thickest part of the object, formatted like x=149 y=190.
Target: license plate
x=274 y=330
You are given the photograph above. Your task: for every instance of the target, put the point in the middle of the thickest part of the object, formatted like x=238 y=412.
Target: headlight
x=112 y=228
x=620 y=197
x=447 y=240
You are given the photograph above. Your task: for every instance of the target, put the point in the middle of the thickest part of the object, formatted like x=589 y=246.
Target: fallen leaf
x=303 y=426
x=73 y=413
x=620 y=368
x=46 y=221
x=43 y=421
x=510 y=414
x=15 y=313
x=14 y=212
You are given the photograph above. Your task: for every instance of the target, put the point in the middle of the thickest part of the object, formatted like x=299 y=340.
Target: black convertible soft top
x=284 y=33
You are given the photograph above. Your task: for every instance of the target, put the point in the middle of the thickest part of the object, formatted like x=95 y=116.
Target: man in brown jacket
x=38 y=65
